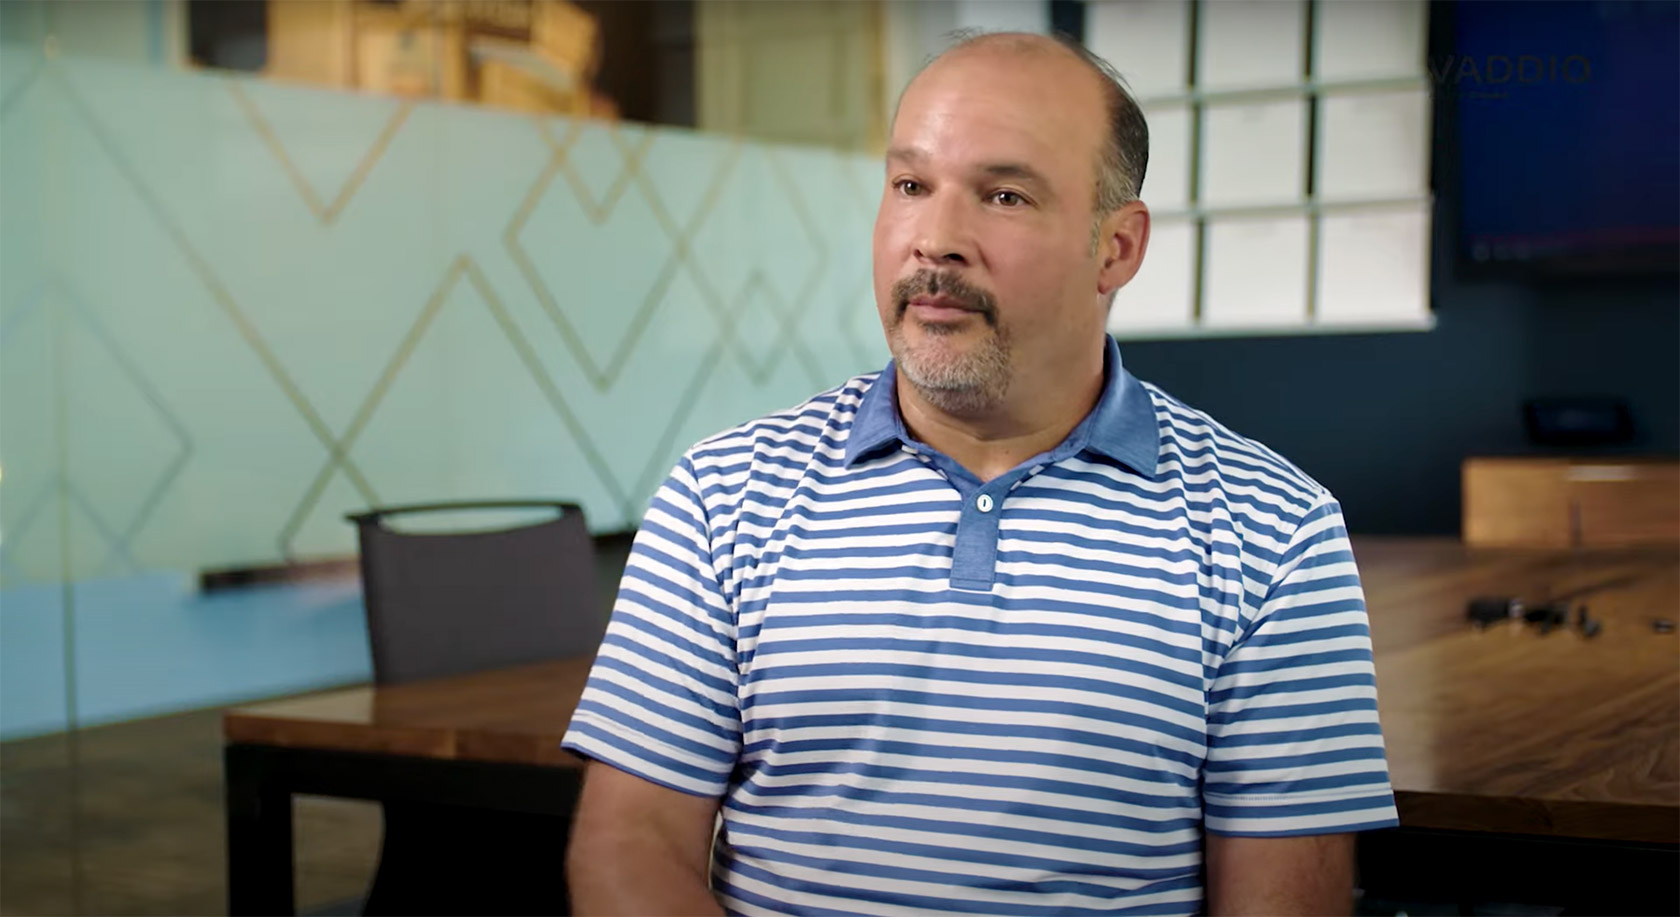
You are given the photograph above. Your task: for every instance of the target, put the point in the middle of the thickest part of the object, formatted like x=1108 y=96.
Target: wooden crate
x=536 y=56
x=312 y=41
x=409 y=51
x=504 y=85
x=566 y=35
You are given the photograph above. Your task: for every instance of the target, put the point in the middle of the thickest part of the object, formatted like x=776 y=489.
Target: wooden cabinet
x=1571 y=502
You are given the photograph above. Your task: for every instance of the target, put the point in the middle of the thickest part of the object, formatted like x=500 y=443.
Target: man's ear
x=1122 y=240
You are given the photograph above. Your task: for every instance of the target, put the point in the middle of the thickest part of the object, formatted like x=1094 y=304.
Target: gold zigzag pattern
x=220 y=294
x=597 y=211
x=462 y=266
x=122 y=543
x=683 y=238
x=788 y=313
x=603 y=375
x=787 y=318
x=61 y=488
x=325 y=212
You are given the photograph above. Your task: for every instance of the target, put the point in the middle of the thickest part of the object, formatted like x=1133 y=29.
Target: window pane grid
x=1305 y=118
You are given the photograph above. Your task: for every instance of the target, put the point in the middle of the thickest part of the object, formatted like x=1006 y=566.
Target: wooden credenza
x=1546 y=502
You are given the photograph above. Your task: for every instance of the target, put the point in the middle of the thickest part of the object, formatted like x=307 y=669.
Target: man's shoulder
x=795 y=434
x=1204 y=449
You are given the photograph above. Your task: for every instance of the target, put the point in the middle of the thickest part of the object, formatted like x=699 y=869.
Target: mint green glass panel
x=232 y=311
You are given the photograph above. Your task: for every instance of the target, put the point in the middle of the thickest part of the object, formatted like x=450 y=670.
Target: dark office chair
x=441 y=604
x=452 y=603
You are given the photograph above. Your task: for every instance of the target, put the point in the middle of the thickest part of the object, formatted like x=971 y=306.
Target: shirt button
x=984 y=503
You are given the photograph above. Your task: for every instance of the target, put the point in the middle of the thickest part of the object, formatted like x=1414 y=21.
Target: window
x=1288 y=175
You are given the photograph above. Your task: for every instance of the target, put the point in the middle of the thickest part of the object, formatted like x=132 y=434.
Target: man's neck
x=1029 y=421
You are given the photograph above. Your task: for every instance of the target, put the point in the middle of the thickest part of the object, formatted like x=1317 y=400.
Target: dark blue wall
x=1384 y=420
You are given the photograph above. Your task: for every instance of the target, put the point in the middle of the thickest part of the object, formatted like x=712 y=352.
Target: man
x=1001 y=630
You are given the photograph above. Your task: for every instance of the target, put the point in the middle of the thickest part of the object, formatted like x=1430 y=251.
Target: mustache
x=944 y=283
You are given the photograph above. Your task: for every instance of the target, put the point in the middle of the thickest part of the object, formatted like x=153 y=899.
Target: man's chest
x=1087 y=651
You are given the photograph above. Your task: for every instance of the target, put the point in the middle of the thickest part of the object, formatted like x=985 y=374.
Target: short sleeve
x=660 y=702
x=1294 y=747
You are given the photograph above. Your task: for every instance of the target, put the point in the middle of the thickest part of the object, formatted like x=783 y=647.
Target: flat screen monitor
x=1565 y=133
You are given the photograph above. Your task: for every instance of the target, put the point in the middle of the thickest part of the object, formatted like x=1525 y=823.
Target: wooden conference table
x=1504 y=730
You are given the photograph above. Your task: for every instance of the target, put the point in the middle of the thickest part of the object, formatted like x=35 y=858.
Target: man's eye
x=1008 y=198
x=908 y=187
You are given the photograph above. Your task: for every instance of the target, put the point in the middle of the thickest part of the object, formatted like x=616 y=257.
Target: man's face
x=983 y=266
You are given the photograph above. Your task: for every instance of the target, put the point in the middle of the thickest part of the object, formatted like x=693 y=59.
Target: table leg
x=259 y=834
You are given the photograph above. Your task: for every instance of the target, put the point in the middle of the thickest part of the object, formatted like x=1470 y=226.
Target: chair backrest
x=450 y=603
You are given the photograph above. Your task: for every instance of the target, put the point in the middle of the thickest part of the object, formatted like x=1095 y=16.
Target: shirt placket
x=974 y=560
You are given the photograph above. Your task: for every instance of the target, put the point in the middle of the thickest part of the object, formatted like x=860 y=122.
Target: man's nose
x=943 y=238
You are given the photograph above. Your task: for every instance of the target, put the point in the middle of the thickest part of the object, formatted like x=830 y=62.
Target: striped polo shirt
x=914 y=691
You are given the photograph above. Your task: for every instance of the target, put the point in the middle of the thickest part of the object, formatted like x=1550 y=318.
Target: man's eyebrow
x=1018 y=170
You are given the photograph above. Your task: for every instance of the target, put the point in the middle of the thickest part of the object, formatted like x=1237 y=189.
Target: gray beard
x=962 y=385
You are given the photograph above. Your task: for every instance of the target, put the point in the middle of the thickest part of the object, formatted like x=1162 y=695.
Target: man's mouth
x=940 y=305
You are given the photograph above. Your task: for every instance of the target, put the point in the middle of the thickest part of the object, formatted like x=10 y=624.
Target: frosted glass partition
x=1288 y=171
x=232 y=311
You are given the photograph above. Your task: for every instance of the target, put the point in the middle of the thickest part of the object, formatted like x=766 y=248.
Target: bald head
x=1123 y=150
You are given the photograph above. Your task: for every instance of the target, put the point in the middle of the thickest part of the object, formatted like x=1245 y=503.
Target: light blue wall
x=34 y=692
x=232 y=311
x=151 y=644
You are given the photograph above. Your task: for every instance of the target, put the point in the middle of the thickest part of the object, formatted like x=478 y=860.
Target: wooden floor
x=128 y=820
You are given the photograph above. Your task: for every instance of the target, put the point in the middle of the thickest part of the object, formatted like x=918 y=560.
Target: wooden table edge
x=245 y=728
x=1564 y=819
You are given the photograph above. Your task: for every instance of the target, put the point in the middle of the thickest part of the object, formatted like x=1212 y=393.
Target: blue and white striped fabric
x=914 y=691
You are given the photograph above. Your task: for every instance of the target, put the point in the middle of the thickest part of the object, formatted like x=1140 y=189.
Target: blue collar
x=1122 y=426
